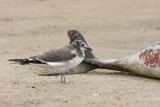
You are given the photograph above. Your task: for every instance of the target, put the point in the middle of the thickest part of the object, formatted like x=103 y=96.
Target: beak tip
x=90 y=49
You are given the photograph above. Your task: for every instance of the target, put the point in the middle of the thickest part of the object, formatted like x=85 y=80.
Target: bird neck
x=80 y=52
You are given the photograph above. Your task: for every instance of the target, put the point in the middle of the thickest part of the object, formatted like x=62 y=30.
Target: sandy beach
x=112 y=28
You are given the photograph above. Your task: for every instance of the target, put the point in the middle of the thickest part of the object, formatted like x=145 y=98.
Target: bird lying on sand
x=61 y=58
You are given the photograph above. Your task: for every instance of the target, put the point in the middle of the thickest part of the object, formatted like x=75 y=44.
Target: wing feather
x=58 y=55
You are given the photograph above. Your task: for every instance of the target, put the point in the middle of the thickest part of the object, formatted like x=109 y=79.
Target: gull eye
x=82 y=44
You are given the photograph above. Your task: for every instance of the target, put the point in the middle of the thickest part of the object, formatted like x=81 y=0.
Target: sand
x=113 y=28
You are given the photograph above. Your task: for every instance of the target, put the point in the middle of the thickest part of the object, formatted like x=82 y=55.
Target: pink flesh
x=150 y=57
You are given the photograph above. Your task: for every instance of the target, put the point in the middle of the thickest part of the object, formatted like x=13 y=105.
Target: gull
x=61 y=58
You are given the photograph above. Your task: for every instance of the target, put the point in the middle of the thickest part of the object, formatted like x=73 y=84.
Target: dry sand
x=113 y=28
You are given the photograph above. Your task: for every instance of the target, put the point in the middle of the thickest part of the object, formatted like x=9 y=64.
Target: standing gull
x=61 y=59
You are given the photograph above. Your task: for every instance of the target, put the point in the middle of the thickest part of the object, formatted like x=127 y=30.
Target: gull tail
x=26 y=61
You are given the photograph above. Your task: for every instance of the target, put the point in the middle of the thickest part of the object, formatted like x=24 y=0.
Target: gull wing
x=61 y=54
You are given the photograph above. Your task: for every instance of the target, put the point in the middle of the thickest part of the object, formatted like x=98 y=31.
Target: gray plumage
x=58 y=54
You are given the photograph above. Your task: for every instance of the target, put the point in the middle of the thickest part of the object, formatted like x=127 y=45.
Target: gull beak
x=88 y=48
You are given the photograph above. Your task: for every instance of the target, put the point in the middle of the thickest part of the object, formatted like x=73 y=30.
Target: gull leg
x=64 y=78
x=61 y=78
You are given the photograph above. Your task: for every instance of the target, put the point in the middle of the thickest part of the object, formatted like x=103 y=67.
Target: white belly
x=61 y=66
